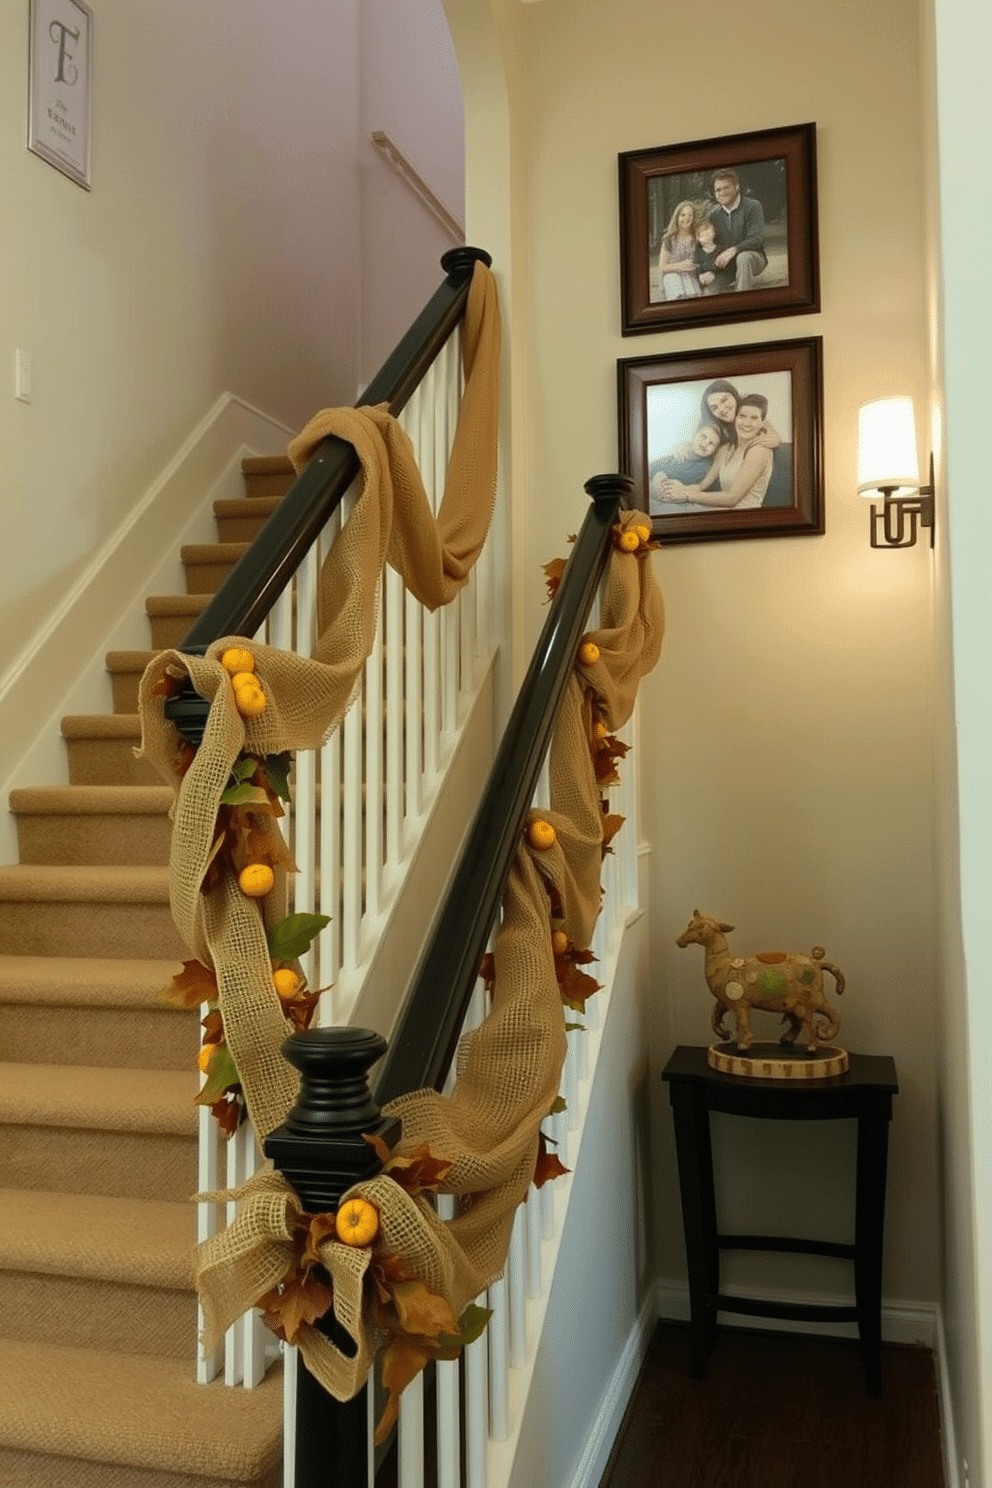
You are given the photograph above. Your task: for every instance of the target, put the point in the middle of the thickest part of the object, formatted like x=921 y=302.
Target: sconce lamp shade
x=887 y=456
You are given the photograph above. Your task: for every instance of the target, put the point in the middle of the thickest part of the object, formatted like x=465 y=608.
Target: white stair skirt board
x=615 y=1399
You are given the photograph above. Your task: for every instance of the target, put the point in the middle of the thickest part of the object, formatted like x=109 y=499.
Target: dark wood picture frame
x=661 y=401
x=777 y=171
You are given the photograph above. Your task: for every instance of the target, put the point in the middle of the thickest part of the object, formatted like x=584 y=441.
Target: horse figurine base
x=773 y=1062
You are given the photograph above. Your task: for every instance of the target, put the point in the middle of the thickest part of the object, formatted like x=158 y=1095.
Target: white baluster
x=476 y=1412
x=532 y=1210
x=351 y=850
x=410 y=1449
x=499 y=1361
x=394 y=603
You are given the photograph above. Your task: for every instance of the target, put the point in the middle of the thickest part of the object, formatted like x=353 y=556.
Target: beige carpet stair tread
x=129 y=661
x=102 y=726
x=91 y=800
x=138 y=1241
x=87 y=884
x=97 y=1099
x=177 y=604
x=131 y=1410
x=67 y=981
x=267 y=465
x=246 y=506
x=213 y=552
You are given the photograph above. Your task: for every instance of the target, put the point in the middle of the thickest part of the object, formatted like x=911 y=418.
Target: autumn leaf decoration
x=196 y=984
x=256 y=787
x=305 y=1292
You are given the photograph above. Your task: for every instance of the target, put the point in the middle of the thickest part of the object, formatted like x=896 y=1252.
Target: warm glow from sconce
x=888 y=467
x=887 y=454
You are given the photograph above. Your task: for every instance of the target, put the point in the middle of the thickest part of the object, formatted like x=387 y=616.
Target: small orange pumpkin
x=559 y=942
x=629 y=540
x=357 y=1222
x=541 y=835
x=250 y=701
x=286 y=982
x=256 y=880
x=588 y=653
x=237 y=660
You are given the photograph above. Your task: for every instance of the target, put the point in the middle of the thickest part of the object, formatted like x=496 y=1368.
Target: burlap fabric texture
x=508 y=1070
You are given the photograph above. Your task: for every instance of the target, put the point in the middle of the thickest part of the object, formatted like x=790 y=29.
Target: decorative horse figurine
x=778 y=981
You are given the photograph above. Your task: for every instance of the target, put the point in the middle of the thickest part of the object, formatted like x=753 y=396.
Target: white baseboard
x=902 y=1322
x=615 y=1399
x=61 y=670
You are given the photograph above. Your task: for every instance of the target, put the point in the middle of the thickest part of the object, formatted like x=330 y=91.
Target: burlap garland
x=508 y=1070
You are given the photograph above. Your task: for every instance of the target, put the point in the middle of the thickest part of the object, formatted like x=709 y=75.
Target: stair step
x=101 y=750
x=49 y=910
x=171 y=616
x=91 y=1272
x=78 y=1418
x=126 y=670
x=267 y=475
x=208 y=564
x=93 y=824
x=83 y=1130
x=94 y=1012
x=242 y=519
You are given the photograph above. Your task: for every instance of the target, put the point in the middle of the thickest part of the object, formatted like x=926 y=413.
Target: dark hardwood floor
x=778 y=1411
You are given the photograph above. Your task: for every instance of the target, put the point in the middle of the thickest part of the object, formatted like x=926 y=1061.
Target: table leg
x=873 y=1148
x=695 y=1160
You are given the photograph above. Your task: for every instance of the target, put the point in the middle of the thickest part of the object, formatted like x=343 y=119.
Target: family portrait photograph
x=726 y=443
x=719 y=230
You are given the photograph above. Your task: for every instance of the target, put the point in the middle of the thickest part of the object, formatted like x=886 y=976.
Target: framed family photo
x=719 y=230
x=726 y=443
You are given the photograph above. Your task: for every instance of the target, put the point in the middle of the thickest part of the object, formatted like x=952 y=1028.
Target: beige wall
x=217 y=250
x=787 y=730
x=410 y=91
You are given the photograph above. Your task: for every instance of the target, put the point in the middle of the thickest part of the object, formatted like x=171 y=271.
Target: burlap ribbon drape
x=508 y=1069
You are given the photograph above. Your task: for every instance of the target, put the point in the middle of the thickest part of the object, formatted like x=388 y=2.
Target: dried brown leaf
x=422 y=1312
x=419 y=1170
x=548 y=1164
x=402 y=1361
x=196 y=983
x=302 y=1298
x=552 y=575
x=320 y=1228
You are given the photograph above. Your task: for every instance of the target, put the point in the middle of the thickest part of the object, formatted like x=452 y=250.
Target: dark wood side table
x=865 y=1092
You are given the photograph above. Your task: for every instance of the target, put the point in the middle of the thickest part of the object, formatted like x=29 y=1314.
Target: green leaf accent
x=277 y=769
x=222 y=1075
x=573 y=1027
x=294 y=935
x=244 y=795
x=471 y=1326
x=245 y=767
x=558 y=1105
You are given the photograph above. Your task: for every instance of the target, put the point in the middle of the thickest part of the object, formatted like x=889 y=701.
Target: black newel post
x=321 y=1151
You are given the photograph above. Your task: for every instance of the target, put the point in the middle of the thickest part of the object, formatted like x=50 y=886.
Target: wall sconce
x=888 y=467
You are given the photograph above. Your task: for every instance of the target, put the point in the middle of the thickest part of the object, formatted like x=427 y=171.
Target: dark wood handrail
x=252 y=587
x=424 y=1040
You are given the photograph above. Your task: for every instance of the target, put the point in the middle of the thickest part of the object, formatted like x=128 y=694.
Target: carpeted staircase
x=98 y=1147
